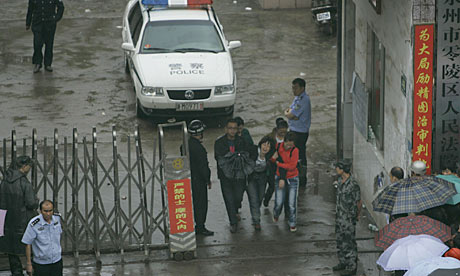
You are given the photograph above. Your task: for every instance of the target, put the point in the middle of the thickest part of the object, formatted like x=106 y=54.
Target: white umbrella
x=426 y=267
x=406 y=252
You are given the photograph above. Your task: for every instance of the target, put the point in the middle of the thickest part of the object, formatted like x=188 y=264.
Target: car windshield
x=181 y=36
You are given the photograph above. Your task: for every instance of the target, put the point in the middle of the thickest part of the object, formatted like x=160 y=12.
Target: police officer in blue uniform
x=43 y=16
x=299 y=120
x=43 y=239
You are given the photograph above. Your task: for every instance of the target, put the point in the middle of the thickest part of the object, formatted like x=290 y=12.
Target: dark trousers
x=43 y=34
x=271 y=183
x=256 y=191
x=232 y=191
x=47 y=269
x=200 y=203
x=15 y=265
x=301 y=143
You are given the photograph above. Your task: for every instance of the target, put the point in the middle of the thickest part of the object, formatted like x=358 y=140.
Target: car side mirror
x=128 y=46
x=234 y=44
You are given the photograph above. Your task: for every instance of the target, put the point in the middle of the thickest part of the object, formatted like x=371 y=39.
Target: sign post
x=176 y=179
x=423 y=94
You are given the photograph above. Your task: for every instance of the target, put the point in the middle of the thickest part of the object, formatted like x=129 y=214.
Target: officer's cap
x=344 y=165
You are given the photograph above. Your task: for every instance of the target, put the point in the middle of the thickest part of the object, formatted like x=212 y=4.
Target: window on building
x=375 y=84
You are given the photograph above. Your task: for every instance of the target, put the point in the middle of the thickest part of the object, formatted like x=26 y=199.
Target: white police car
x=178 y=58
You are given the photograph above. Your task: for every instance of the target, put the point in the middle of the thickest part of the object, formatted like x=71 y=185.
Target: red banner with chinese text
x=180 y=206
x=423 y=94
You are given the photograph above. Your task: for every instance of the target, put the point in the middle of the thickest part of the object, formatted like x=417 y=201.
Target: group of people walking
x=276 y=164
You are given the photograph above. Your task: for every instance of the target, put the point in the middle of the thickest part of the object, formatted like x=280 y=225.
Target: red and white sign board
x=180 y=206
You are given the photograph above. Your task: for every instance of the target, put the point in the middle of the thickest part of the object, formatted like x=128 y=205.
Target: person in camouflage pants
x=348 y=207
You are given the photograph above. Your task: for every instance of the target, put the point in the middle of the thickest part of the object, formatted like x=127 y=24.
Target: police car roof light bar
x=176 y=3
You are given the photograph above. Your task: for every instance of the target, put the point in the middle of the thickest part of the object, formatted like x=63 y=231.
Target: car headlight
x=152 y=91
x=224 y=89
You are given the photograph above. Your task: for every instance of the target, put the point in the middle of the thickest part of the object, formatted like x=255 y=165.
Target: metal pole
x=4 y=158
x=34 y=156
x=75 y=194
x=142 y=190
x=118 y=229
x=162 y=159
x=13 y=146
x=66 y=182
x=55 y=170
x=45 y=168
x=129 y=190
x=24 y=146
x=152 y=188
x=97 y=249
x=85 y=168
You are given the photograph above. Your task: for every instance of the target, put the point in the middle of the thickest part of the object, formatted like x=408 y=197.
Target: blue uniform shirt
x=45 y=239
x=301 y=108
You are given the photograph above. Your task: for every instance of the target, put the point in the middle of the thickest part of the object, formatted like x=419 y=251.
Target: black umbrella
x=237 y=165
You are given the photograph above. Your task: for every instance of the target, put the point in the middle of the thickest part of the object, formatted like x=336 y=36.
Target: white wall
x=393 y=28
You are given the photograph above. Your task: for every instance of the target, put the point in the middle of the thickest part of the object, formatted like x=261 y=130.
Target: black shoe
x=37 y=68
x=49 y=68
x=257 y=227
x=338 y=267
x=204 y=232
x=233 y=228
x=348 y=272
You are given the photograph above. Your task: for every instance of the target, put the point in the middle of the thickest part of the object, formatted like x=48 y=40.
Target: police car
x=178 y=58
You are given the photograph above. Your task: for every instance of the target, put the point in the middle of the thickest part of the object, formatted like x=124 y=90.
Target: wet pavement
x=89 y=88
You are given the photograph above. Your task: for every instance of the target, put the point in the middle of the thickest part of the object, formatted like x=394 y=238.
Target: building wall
x=393 y=28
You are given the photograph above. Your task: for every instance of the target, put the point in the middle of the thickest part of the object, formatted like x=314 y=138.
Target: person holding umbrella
x=396 y=174
x=348 y=208
x=229 y=147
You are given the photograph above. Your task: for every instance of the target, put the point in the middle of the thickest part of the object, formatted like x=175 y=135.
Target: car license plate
x=189 y=106
x=323 y=16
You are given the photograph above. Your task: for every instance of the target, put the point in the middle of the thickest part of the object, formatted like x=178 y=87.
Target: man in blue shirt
x=299 y=120
x=43 y=238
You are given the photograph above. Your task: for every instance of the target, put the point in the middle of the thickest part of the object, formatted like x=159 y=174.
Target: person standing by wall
x=43 y=16
x=18 y=198
x=299 y=119
x=348 y=209
x=43 y=239
x=290 y=156
x=201 y=176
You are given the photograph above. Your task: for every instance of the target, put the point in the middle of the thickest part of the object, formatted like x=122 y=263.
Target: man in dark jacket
x=43 y=16
x=232 y=189
x=201 y=176
x=18 y=198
